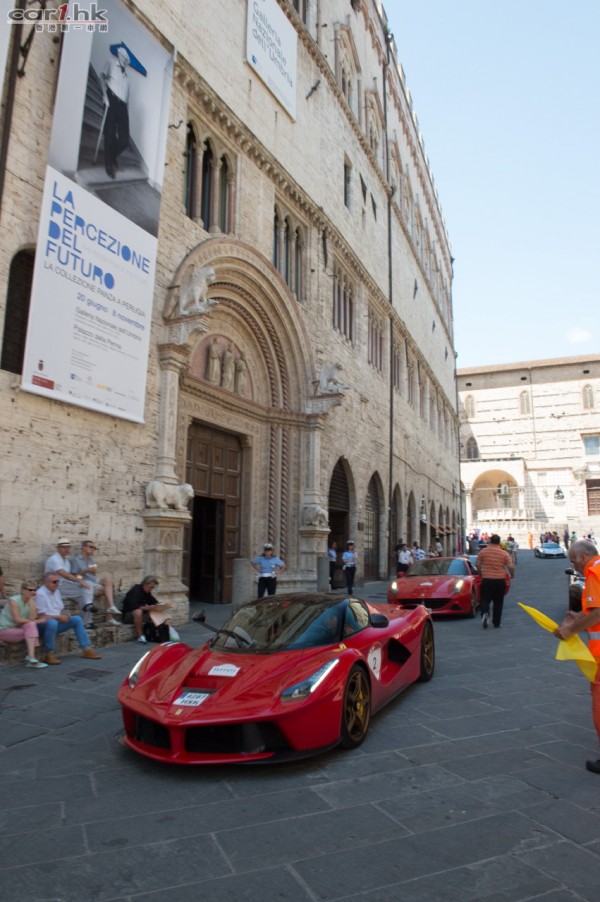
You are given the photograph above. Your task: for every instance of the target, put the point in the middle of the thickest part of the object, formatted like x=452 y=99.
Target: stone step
x=66 y=643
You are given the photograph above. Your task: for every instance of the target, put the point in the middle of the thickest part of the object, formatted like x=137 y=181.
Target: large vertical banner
x=91 y=302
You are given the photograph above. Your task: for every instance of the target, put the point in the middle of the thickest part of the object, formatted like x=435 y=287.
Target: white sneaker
x=33 y=662
x=112 y=610
x=112 y=622
x=486 y=618
x=142 y=640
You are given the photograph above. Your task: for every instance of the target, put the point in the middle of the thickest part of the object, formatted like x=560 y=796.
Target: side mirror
x=200 y=617
x=379 y=621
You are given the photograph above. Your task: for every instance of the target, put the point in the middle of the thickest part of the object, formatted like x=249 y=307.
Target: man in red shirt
x=585 y=558
x=493 y=563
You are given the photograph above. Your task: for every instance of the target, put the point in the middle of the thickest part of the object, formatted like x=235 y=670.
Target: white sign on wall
x=271 y=50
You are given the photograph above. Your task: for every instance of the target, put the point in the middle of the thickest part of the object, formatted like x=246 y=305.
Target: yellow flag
x=571 y=649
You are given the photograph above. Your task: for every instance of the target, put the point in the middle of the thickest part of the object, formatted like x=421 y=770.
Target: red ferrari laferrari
x=447 y=585
x=286 y=677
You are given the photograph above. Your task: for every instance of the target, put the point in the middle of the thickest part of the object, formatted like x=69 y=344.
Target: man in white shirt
x=49 y=603
x=72 y=585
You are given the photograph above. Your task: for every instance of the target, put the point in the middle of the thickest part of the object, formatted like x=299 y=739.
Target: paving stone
x=576 y=868
x=22 y=820
x=389 y=785
x=273 y=884
x=109 y=876
x=206 y=817
x=42 y=846
x=505 y=879
x=322 y=834
x=570 y=821
x=414 y=856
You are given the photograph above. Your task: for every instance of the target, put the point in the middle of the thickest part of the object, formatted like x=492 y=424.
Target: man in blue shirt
x=268 y=567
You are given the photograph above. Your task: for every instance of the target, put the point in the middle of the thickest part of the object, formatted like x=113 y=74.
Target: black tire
x=473 y=605
x=427 y=654
x=356 y=709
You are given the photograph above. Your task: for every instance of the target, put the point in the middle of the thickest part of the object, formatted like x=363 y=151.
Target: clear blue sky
x=507 y=97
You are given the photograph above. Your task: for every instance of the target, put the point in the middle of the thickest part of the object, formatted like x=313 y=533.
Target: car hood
x=207 y=683
x=428 y=586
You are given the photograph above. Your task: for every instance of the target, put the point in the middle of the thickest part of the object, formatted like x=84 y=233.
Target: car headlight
x=300 y=691
x=135 y=674
x=394 y=586
x=457 y=586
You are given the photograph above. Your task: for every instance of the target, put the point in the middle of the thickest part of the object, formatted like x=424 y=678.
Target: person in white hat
x=72 y=585
x=349 y=559
x=268 y=566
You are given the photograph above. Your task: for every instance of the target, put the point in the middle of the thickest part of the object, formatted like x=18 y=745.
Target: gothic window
x=524 y=403
x=191 y=172
x=276 y=231
x=301 y=7
x=470 y=407
x=17 y=311
x=375 y=342
x=588 y=397
x=299 y=265
x=206 y=202
x=472 y=449
x=397 y=370
x=224 y=186
x=343 y=306
x=412 y=398
x=347 y=183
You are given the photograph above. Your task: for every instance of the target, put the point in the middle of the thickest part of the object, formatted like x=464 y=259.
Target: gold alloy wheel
x=356 y=714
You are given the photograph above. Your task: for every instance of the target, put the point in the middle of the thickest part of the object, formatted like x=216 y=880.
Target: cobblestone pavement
x=471 y=787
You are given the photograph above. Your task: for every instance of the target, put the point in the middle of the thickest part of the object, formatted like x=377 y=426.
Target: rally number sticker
x=374 y=660
x=228 y=670
x=191 y=699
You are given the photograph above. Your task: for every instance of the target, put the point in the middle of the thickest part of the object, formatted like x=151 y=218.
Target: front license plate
x=191 y=699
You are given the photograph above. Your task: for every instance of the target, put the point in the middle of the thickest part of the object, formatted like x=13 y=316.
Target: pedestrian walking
x=492 y=565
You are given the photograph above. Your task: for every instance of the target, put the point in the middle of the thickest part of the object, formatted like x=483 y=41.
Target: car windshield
x=439 y=566
x=291 y=622
x=550 y=546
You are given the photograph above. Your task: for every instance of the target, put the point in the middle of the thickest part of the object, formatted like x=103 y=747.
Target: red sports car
x=285 y=677
x=447 y=585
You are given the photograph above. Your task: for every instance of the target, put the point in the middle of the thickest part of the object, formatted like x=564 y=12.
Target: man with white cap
x=72 y=585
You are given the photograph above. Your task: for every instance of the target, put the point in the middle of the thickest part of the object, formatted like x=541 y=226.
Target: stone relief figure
x=315 y=516
x=193 y=298
x=241 y=372
x=213 y=362
x=228 y=368
x=160 y=494
x=329 y=382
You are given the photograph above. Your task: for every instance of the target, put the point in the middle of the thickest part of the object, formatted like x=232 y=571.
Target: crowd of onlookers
x=37 y=614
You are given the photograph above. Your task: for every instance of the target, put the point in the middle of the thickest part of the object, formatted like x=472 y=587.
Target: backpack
x=156 y=633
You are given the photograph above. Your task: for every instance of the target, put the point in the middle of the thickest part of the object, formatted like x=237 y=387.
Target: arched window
x=276 y=248
x=301 y=7
x=299 y=267
x=191 y=173
x=524 y=403
x=588 y=397
x=470 y=407
x=224 y=176
x=287 y=253
x=206 y=203
x=17 y=311
x=472 y=449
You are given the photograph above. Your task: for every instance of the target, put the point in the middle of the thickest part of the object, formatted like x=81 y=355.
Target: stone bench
x=66 y=643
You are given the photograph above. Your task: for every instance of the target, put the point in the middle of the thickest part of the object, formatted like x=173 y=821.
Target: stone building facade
x=301 y=373
x=530 y=447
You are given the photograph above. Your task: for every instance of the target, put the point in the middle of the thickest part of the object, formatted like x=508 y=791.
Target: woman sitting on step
x=19 y=619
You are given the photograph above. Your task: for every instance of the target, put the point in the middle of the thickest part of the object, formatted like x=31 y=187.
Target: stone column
x=173 y=360
x=163 y=550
